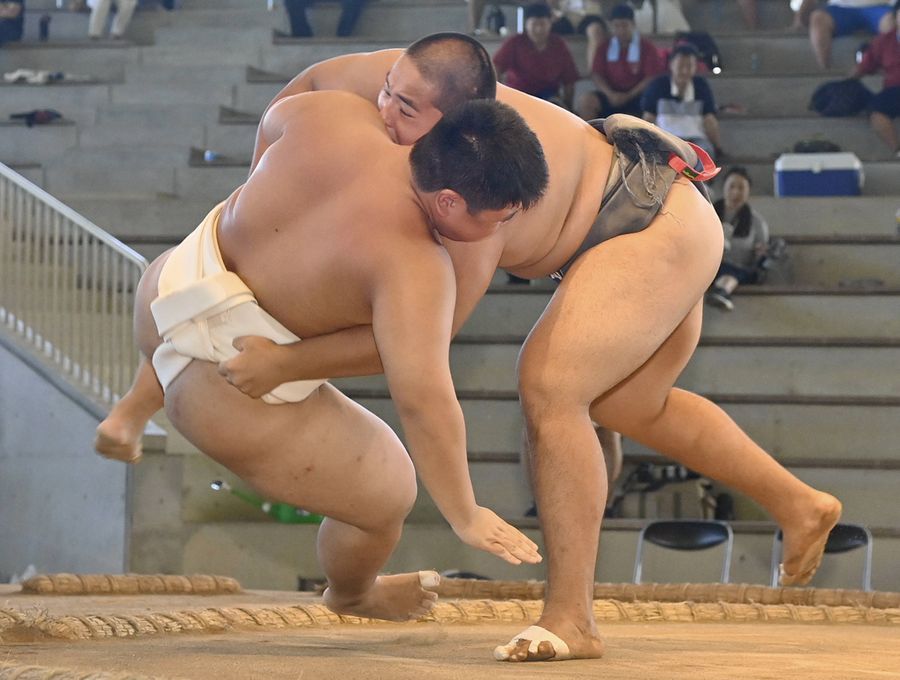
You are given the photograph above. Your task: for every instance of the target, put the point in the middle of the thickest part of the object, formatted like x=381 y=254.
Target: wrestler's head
x=476 y=169
x=435 y=75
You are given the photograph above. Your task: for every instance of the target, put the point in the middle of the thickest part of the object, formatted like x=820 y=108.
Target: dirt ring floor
x=274 y=635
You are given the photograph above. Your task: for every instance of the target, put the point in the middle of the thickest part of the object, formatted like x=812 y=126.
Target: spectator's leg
x=885 y=106
x=886 y=24
x=884 y=128
x=350 y=11
x=749 y=13
x=124 y=12
x=801 y=16
x=476 y=9
x=296 y=11
x=821 y=31
x=97 y=22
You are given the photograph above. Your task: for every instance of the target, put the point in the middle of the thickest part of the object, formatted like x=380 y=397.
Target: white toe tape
x=429 y=579
x=536 y=635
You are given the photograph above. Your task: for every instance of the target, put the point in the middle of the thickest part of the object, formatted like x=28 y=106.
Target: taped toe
x=533 y=644
x=429 y=579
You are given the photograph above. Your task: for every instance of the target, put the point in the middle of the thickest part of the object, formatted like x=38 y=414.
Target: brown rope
x=37 y=625
x=675 y=592
x=15 y=672
x=130 y=584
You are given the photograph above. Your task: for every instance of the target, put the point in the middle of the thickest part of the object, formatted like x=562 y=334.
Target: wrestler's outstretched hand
x=257 y=369
x=486 y=531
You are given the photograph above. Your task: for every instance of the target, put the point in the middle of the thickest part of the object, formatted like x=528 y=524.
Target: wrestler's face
x=405 y=103
x=453 y=220
x=737 y=191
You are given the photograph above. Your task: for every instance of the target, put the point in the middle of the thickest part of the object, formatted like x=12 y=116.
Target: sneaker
x=719 y=298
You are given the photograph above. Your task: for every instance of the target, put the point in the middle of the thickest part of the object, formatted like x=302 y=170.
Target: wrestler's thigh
x=642 y=395
x=620 y=301
x=326 y=454
x=145 y=333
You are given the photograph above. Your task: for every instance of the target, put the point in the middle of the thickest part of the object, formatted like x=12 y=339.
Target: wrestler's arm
x=362 y=74
x=412 y=317
x=262 y=365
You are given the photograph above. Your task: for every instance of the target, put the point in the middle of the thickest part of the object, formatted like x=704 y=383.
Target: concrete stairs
x=802 y=364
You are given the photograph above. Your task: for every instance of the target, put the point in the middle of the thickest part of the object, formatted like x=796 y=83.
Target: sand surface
x=635 y=651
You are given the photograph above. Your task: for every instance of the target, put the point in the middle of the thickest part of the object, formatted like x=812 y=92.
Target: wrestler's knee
x=394 y=494
x=546 y=392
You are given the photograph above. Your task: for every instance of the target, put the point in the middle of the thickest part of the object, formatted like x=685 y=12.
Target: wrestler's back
x=540 y=240
x=325 y=197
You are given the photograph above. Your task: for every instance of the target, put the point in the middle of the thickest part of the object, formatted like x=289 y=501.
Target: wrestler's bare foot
x=579 y=643
x=119 y=439
x=805 y=537
x=399 y=597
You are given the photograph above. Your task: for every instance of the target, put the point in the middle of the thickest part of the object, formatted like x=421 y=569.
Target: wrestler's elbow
x=415 y=399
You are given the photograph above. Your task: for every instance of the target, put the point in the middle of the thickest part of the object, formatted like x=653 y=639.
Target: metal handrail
x=67 y=289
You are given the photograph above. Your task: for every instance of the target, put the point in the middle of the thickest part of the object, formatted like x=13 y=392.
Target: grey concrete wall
x=62 y=507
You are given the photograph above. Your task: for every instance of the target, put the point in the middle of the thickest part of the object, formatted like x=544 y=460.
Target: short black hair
x=485 y=152
x=457 y=65
x=622 y=11
x=684 y=49
x=537 y=10
x=738 y=170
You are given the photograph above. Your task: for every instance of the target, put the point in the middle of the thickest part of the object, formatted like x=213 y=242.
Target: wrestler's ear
x=448 y=201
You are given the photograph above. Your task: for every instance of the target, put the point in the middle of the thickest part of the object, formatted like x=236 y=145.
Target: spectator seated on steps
x=883 y=55
x=623 y=68
x=748 y=252
x=300 y=28
x=682 y=102
x=12 y=20
x=845 y=17
x=582 y=17
x=538 y=62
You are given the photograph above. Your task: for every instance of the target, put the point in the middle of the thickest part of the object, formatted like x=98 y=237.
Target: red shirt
x=533 y=71
x=622 y=76
x=883 y=53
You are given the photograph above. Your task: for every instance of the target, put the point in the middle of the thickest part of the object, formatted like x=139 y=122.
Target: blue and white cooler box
x=818 y=174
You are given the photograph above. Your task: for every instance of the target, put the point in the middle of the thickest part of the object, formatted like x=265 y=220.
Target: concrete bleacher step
x=881 y=178
x=791 y=426
x=774 y=93
x=105 y=60
x=856 y=260
x=749 y=368
x=149 y=224
x=818 y=216
x=212 y=182
x=230 y=547
x=77 y=101
x=771 y=136
x=760 y=311
x=33 y=172
x=21 y=144
x=114 y=170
